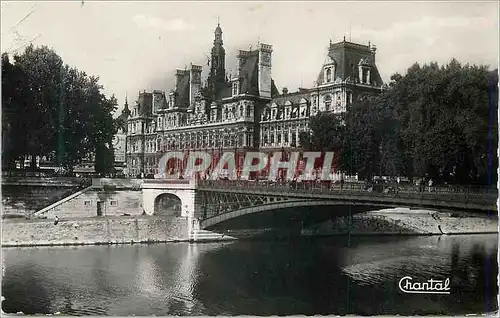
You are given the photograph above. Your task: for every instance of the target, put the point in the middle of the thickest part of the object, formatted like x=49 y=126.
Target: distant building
x=243 y=111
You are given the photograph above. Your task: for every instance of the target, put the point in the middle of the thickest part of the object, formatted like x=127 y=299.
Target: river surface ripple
x=336 y=275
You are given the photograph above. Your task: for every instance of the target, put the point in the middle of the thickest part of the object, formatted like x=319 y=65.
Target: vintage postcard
x=249 y=158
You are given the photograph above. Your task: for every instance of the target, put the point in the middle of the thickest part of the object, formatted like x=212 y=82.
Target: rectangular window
x=113 y=203
x=235 y=89
x=87 y=203
x=294 y=139
x=365 y=76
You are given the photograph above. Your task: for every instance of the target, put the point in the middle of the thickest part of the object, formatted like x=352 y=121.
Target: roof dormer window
x=364 y=79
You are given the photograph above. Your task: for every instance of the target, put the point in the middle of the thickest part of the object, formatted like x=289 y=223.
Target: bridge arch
x=158 y=198
x=360 y=207
x=167 y=204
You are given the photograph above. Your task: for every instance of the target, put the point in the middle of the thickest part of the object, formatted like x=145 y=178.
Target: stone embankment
x=403 y=221
x=94 y=231
x=151 y=229
x=21 y=197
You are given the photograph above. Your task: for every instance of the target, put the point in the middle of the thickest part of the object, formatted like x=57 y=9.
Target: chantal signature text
x=432 y=286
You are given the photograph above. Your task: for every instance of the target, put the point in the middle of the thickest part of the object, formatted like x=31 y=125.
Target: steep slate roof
x=182 y=91
x=250 y=74
x=145 y=102
x=249 y=77
x=274 y=89
x=347 y=55
x=160 y=102
x=294 y=98
x=226 y=90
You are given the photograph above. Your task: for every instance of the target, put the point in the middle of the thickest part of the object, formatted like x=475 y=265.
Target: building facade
x=242 y=111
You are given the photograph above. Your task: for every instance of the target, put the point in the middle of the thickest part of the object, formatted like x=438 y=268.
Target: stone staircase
x=22 y=198
x=208 y=236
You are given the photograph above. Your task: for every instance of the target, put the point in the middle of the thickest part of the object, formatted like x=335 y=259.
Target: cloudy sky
x=133 y=46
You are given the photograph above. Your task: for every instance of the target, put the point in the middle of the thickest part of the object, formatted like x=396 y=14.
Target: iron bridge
x=221 y=200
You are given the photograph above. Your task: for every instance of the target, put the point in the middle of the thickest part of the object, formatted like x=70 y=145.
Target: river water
x=335 y=275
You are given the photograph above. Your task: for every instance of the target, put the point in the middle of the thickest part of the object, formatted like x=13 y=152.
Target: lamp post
x=380 y=159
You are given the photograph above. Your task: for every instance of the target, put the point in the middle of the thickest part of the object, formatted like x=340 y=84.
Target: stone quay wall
x=92 y=231
x=22 y=196
x=402 y=221
x=112 y=203
x=106 y=197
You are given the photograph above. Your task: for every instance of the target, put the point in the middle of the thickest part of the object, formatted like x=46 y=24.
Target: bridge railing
x=464 y=194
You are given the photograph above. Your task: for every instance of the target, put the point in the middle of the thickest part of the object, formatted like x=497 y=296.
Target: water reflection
x=314 y=276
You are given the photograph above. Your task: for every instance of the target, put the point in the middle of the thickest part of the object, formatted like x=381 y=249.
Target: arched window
x=329 y=75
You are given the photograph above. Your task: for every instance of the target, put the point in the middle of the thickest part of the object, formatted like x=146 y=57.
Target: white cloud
x=157 y=23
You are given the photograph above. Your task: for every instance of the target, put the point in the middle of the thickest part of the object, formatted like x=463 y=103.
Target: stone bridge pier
x=184 y=190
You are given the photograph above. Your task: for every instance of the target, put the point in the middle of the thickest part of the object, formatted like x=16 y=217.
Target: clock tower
x=217 y=77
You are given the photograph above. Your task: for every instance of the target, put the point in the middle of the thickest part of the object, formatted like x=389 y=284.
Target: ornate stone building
x=242 y=111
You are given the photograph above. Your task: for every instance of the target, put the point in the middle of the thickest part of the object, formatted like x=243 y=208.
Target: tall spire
x=217 y=76
x=218 y=35
x=125 y=111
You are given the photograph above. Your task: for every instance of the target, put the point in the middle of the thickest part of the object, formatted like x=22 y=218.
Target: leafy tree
x=11 y=114
x=445 y=112
x=54 y=110
x=103 y=130
x=40 y=98
x=328 y=132
x=439 y=122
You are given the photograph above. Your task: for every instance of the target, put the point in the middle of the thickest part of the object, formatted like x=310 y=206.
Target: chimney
x=285 y=90
x=194 y=83
x=156 y=101
x=373 y=49
x=242 y=58
x=179 y=74
x=265 y=51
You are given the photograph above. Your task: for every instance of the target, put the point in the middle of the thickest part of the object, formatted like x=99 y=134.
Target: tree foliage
x=328 y=133
x=50 y=109
x=439 y=122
